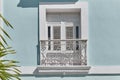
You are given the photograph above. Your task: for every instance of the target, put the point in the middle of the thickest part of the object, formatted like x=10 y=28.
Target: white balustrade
x=70 y=52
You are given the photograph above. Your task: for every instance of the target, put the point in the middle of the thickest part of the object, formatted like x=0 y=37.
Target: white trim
x=105 y=70
x=45 y=7
x=62 y=70
x=1 y=11
x=1 y=4
x=27 y=70
x=112 y=70
x=81 y=7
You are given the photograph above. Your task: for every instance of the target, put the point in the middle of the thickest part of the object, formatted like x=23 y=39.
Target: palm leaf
x=8 y=70
x=3 y=39
x=5 y=32
x=5 y=21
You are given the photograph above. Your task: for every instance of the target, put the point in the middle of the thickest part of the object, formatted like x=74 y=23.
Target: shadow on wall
x=35 y=3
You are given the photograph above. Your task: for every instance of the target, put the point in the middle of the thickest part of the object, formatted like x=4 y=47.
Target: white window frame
x=45 y=7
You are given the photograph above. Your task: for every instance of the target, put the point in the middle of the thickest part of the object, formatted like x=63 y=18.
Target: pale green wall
x=103 y=42
x=104 y=30
x=25 y=33
x=93 y=77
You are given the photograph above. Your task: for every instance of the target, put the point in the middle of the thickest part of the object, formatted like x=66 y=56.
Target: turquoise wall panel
x=93 y=77
x=25 y=33
x=104 y=30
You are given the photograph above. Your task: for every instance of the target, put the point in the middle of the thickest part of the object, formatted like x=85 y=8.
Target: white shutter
x=56 y=32
x=69 y=32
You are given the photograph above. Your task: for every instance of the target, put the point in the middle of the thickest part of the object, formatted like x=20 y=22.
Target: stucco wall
x=25 y=33
x=95 y=77
x=104 y=34
x=103 y=41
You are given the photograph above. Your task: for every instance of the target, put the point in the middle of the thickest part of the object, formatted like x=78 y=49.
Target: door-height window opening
x=62 y=35
x=56 y=37
x=69 y=35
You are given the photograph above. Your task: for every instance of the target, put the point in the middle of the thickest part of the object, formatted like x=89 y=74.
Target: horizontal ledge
x=62 y=70
x=63 y=67
x=65 y=40
x=94 y=70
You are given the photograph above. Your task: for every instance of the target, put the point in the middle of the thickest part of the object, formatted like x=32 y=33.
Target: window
x=56 y=35
x=63 y=35
x=69 y=32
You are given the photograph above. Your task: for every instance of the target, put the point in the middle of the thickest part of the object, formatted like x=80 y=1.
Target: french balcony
x=70 y=52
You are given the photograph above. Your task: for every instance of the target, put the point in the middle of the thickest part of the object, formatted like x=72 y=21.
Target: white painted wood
x=42 y=19
x=61 y=70
x=30 y=70
x=63 y=14
x=50 y=7
x=1 y=4
x=62 y=35
x=84 y=23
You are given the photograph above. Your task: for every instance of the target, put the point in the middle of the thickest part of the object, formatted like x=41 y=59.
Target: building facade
x=65 y=39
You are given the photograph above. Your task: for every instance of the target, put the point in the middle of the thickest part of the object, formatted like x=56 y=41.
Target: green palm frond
x=8 y=70
x=5 y=21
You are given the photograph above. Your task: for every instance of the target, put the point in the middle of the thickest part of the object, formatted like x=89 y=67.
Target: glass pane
x=49 y=32
x=77 y=37
x=77 y=32
x=49 y=37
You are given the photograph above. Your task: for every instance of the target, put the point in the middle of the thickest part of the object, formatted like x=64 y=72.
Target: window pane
x=77 y=37
x=56 y=32
x=69 y=32
x=49 y=35
x=77 y=31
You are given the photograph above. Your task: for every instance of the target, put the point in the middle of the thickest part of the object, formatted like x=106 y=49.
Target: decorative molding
x=67 y=55
x=55 y=7
x=62 y=71
x=81 y=7
x=99 y=70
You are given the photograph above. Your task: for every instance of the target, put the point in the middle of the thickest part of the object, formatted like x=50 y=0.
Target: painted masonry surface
x=103 y=45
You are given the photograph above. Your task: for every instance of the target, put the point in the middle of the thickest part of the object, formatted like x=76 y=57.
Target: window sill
x=62 y=71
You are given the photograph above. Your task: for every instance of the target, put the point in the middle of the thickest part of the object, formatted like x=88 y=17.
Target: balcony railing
x=63 y=52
